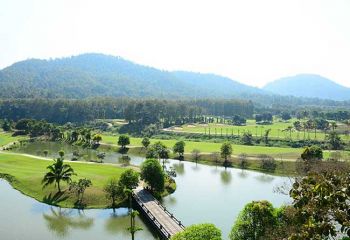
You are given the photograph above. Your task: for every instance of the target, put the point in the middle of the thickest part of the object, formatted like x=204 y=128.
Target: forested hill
x=90 y=75
x=309 y=85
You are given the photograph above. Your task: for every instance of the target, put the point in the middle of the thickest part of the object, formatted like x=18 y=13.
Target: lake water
x=204 y=194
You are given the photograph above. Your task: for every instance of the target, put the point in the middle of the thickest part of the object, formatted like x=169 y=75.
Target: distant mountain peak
x=308 y=85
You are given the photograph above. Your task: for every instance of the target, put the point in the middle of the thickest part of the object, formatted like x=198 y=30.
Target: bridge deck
x=165 y=222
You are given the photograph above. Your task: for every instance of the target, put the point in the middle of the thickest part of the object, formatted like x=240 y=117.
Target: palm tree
x=58 y=172
x=133 y=228
x=314 y=125
x=334 y=125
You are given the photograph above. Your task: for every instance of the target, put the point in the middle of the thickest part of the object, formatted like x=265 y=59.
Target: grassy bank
x=206 y=148
x=209 y=147
x=28 y=173
x=6 y=138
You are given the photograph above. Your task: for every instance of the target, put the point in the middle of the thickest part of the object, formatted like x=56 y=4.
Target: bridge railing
x=152 y=218
x=170 y=214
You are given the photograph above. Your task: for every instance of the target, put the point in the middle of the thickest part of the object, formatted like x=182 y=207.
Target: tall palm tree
x=334 y=126
x=133 y=228
x=314 y=126
x=58 y=172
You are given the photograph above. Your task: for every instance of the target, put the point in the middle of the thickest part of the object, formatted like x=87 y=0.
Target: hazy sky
x=251 y=41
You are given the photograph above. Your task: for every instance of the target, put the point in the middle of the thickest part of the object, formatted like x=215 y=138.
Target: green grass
x=28 y=173
x=6 y=138
x=209 y=147
x=277 y=130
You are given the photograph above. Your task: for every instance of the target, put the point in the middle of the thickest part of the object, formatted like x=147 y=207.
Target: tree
x=253 y=221
x=146 y=142
x=321 y=200
x=6 y=126
x=196 y=154
x=290 y=129
x=96 y=139
x=334 y=141
x=297 y=125
x=46 y=152
x=152 y=173
x=24 y=124
x=158 y=150
x=312 y=153
x=179 y=148
x=129 y=179
x=113 y=190
x=58 y=172
x=199 y=232
x=79 y=188
x=226 y=151
x=267 y=162
x=243 y=162
x=61 y=154
x=334 y=126
x=128 y=192
x=285 y=116
x=266 y=135
x=133 y=228
x=215 y=156
x=247 y=138
x=123 y=141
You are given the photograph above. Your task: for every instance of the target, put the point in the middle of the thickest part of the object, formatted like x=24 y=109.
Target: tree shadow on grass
x=55 y=199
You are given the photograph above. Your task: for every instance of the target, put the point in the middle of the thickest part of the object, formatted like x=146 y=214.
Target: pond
x=204 y=194
x=83 y=154
x=25 y=218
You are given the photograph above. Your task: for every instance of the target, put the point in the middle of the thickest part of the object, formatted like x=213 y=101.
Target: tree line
x=142 y=111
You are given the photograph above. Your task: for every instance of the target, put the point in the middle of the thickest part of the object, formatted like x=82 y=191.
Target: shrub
x=267 y=162
x=199 y=232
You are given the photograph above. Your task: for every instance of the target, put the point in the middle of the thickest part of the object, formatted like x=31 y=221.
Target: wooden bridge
x=164 y=221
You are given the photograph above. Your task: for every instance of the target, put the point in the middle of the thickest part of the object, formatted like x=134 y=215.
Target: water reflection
x=60 y=221
x=196 y=167
x=124 y=160
x=50 y=150
x=179 y=168
x=226 y=176
x=243 y=174
x=117 y=224
x=264 y=178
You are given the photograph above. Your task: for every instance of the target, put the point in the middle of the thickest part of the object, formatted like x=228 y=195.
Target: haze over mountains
x=308 y=85
x=90 y=75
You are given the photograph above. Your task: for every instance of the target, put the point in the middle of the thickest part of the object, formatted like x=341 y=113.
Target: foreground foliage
x=253 y=221
x=322 y=201
x=199 y=232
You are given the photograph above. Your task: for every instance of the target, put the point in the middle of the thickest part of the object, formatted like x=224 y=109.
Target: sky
x=251 y=41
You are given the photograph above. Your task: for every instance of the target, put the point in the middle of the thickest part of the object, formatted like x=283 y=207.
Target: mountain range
x=94 y=75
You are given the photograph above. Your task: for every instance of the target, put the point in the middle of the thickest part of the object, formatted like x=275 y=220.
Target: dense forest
x=143 y=112
x=90 y=75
